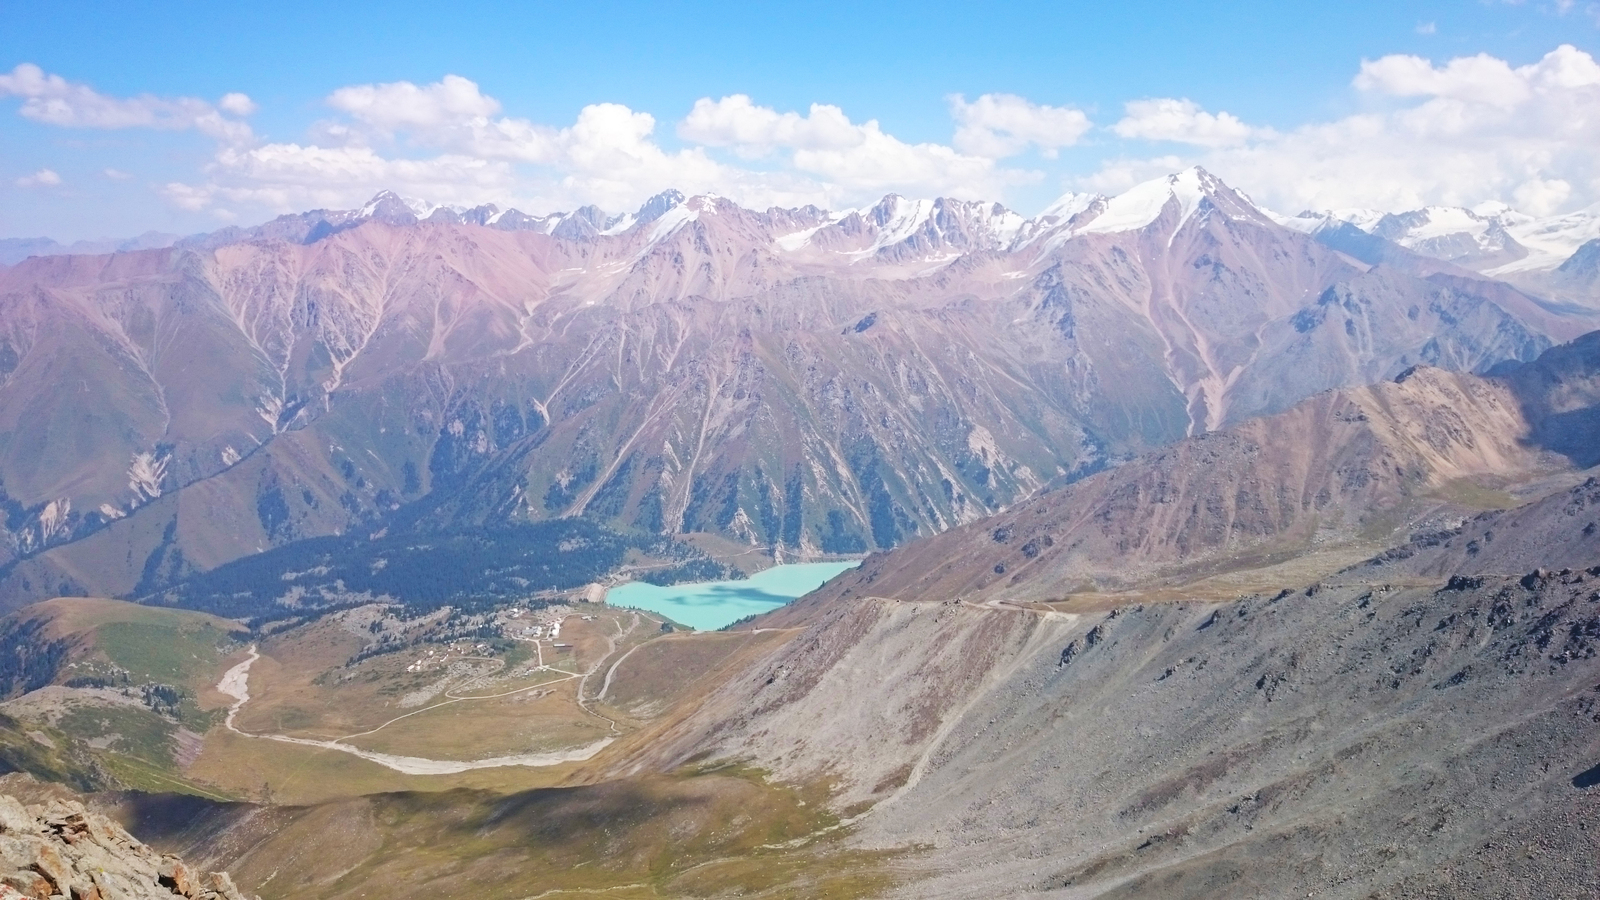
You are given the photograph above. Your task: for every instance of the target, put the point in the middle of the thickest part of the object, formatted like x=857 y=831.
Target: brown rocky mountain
x=1344 y=467
x=799 y=380
x=1419 y=725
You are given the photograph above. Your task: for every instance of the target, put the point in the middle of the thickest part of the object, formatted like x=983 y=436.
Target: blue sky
x=122 y=124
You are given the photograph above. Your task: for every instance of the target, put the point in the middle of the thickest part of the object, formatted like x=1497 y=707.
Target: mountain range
x=1202 y=554
x=800 y=381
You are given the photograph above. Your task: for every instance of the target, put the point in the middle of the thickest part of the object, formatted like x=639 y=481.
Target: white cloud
x=752 y=130
x=41 y=178
x=1001 y=125
x=186 y=197
x=1459 y=131
x=606 y=156
x=1541 y=196
x=1116 y=176
x=446 y=142
x=1472 y=129
x=1183 y=121
x=237 y=104
x=853 y=162
x=287 y=177
x=54 y=100
x=451 y=101
x=115 y=174
x=882 y=163
x=1480 y=79
x=1427 y=28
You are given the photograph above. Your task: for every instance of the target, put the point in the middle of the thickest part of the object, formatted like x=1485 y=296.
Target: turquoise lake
x=709 y=605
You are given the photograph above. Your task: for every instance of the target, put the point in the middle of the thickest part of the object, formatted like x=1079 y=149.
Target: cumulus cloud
x=1116 y=176
x=286 y=176
x=1480 y=79
x=882 y=163
x=449 y=102
x=448 y=142
x=53 y=100
x=1000 y=125
x=457 y=150
x=851 y=161
x=1459 y=131
x=737 y=122
x=1471 y=129
x=41 y=178
x=1183 y=121
x=237 y=104
x=463 y=153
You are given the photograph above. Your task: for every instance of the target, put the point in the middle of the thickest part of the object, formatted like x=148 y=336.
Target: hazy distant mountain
x=811 y=381
x=15 y=250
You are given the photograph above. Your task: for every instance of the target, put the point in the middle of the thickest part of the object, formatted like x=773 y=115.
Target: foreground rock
x=62 y=850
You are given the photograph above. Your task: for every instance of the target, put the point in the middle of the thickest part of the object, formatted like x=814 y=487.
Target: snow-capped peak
x=1069 y=205
x=389 y=205
x=657 y=206
x=1142 y=204
x=1491 y=237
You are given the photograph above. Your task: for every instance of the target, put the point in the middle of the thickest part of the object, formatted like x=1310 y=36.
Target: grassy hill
x=121 y=691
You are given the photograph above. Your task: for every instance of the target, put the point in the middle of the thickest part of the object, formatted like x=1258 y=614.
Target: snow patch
x=1069 y=205
x=671 y=221
x=1551 y=241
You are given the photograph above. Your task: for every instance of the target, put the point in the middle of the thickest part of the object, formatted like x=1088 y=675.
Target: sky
x=116 y=119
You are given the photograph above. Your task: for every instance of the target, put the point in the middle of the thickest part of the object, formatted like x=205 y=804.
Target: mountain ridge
x=694 y=367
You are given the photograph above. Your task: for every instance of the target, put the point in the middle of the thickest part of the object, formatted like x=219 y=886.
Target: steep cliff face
x=61 y=849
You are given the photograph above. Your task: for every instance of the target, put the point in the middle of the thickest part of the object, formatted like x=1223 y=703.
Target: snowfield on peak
x=1142 y=204
x=1491 y=238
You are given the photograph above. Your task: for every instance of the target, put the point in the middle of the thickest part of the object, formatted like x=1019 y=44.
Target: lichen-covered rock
x=62 y=850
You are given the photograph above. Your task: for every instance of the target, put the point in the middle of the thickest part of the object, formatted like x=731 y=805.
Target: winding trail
x=235 y=683
x=611 y=672
x=611 y=647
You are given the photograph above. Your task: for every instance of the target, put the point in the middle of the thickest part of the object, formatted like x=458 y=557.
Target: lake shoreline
x=710 y=605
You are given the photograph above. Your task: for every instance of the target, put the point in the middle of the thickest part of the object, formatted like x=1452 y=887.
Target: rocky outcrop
x=62 y=850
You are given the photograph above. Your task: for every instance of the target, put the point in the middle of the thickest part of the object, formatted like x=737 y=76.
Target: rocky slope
x=1422 y=725
x=1342 y=467
x=1561 y=530
x=807 y=381
x=61 y=849
x=1350 y=739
